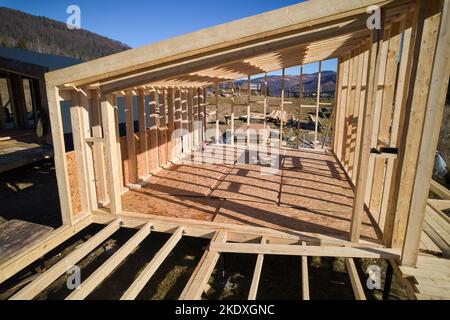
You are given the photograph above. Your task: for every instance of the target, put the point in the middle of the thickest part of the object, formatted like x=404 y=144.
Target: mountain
x=44 y=35
x=291 y=83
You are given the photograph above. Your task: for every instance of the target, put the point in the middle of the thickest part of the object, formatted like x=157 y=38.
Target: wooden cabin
x=364 y=197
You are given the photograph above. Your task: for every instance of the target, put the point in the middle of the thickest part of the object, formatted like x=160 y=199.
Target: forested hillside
x=41 y=34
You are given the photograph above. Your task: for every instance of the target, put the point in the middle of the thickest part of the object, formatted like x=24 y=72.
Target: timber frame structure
x=391 y=90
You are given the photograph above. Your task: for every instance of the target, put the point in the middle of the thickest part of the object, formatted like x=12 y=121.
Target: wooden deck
x=303 y=192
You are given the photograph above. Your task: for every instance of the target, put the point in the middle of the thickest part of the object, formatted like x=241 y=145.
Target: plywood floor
x=295 y=191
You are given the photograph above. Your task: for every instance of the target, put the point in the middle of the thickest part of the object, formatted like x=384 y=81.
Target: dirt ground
x=30 y=193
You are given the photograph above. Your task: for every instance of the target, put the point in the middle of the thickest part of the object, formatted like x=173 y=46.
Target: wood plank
x=59 y=148
x=131 y=147
x=256 y=274
x=316 y=126
x=296 y=250
x=39 y=248
x=205 y=269
x=146 y=274
x=170 y=123
x=46 y=278
x=439 y=205
x=354 y=278
x=364 y=151
x=97 y=148
x=17 y=234
x=162 y=128
x=433 y=102
x=305 y=277
x=143 y=168
x=111 y=153
x=153 y=132
x=112 y=263
x=440 y=190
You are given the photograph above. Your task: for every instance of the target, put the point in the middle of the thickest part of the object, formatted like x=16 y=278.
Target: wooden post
x=170 y=125
x=111 y=140
x=393 y=171
x=98 y=153
x=249 y=79
x=143 y=152
x=282 y=107
x=202 y=114
x=162 y=129
x=81 y=130
x=154 y=162
x=377 y=111
x=300 y=93
x=190 y=118
x=195 y=112
x=361 y=91
x=59 y=148
x=177 y=123
x=233 y=93
x=131 y=148
x=364 y=152
x=217 y=113
x=438 y=85
x=184 y=120
x=316 y=128
x=121 y=180
x=385 y=124
x=424 y=52
x=342 y=107
x=265 y=107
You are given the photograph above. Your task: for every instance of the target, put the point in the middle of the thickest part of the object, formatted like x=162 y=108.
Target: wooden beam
x=80 y=131
x=316 y=127
x=97 y=148
x=146 y=274
x=170 y=123
x=437 y=24
x=216 y=94
x=398 y=133
x=364 y=152
x=184 y=121
x=218 y=38
x=312 y=251
x=300 y=95
x=305 y=277
x=354 y=279
x=249 y=80
x=416 y=106
x=107 y=268
x=233 y=98
x=202 y=273
x=57 y=270
x=121 y=178
x=256 y=274
x=111 y=153
x=153 y=132
x=190 y=117
x=282 y=106
x=162 y=128
x=439 y=190
x=144 y=170
x=59 y=149
x=131 y=148
x=39 y=248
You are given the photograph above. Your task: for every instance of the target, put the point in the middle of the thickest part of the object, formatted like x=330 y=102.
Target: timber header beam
x=256 y=28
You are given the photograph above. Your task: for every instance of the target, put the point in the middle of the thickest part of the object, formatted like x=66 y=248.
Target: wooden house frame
x=391 y=90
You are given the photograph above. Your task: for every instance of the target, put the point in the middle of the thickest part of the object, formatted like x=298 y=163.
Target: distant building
x=23 y=99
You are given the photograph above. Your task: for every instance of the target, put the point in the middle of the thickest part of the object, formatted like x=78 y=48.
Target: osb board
x=73 y=182
x=16 y=234
x=186 y=179
x=250 y=182
x=315 y=183
x=290 y=219
x=152 y=147
x=146 y=201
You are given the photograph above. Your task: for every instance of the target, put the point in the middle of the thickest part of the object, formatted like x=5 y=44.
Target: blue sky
x=138 y=23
